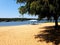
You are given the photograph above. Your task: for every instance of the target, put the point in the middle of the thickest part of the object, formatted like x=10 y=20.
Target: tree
x=42 y=8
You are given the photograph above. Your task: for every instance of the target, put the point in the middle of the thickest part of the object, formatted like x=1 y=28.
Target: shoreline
x=24 y=24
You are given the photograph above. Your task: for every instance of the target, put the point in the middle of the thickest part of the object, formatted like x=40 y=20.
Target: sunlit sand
x=21 y=35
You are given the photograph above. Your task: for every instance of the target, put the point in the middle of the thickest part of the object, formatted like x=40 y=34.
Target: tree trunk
x=56 y=22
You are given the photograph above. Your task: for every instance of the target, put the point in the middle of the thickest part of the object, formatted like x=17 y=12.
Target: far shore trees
x=43 y=8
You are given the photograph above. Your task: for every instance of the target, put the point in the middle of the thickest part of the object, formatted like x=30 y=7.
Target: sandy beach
x=21 y=35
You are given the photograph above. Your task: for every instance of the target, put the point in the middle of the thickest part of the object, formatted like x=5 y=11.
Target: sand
x=22 y=34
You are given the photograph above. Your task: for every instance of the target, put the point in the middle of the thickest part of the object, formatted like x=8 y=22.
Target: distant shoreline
x=15 y=19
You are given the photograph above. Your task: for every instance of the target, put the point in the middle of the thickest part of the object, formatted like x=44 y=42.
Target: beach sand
x=21 y=35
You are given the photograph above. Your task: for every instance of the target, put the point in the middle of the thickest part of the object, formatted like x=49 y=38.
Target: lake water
x=19 y=23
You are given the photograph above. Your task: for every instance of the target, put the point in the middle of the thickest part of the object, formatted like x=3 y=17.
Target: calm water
x=19 y=23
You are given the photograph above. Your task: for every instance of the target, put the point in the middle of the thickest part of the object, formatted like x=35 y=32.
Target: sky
x=9 y=9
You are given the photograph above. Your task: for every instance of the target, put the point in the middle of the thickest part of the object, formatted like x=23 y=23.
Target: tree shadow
x=50 y=34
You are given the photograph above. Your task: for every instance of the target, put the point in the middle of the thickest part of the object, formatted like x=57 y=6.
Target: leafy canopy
x=42 y=8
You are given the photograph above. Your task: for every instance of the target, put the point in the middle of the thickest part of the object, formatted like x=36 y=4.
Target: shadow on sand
x=50 y=34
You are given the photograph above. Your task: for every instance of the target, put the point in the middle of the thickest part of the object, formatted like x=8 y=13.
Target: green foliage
x=22 y=10
x=19 y=1
x=42 y=8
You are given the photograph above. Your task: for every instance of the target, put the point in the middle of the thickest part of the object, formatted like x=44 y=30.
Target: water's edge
x=21 y=23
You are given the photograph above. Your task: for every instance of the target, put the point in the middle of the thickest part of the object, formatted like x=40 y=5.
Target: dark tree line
x=14 y=19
